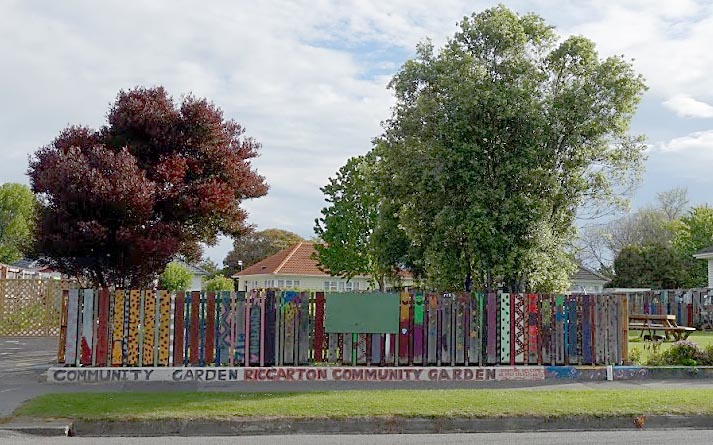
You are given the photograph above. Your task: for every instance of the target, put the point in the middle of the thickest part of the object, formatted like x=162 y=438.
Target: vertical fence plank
x=255 y=315
x=179 y=329
x=333 y=350
x=520 y=334
x=87 y=334
x=149 y=326
x=73 y=307
x=117 y=331
x=102 y=343
x=460 y=328
x=210 y=313
x=624 y=320
x=473 y=329
x=62 y=325
x=546 y=329
x=132 y=343
x=270 y=326
x=319 y=328
x=239 y=341
x=587 y=355
x=505 y=328
x=303 y=330
x=571 y=326
x=404 y=333
x=194 y=328
x=164 y=336
x=492 y=328
x=289 y=315
x=418 y=329
x=432 y=329
x=533 y=333
x=361 y=349
x=347 y=349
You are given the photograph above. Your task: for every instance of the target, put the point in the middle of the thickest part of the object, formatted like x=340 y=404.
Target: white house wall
x=315 y=283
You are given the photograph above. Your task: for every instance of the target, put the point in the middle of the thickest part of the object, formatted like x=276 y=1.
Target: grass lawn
x=341 y=404
x=702 y=339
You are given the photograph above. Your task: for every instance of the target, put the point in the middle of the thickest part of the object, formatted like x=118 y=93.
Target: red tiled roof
x=295 y=260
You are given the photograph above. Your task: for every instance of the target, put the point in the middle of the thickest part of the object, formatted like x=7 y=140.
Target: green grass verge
x=348 y=404
x=702 y=339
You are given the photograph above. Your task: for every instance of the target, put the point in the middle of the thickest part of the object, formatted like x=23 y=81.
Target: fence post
x=624 y=329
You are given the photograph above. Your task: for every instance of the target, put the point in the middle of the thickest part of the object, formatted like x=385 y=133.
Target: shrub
x=218 y=283
x=175 y=277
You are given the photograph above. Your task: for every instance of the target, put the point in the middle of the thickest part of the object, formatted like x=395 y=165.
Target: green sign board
x=372 y=313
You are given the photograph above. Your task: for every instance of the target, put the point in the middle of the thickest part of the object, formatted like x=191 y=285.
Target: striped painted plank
x=149 y=328
x=73 y=308
x=134 y=320
x=459 y=325
x=163 y=350
x=492 y=328
x=404 y=328
x=303 y=330
x=62 y=326
x=505 y=328
x=179 y=329
x=224 y=312
x=473 y=327
x=445 y=336
x=432 y=320
x=102 y=342
x=418 y=329
x=210 y=328
x=86 y=342
x=319 y=338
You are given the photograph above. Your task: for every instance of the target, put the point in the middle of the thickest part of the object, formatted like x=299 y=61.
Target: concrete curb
x=377 y=425
x=34 y=427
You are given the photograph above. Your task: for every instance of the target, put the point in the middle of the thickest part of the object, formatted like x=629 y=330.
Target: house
x=707 y=254
x=28 y=269
x=296 y=268
x=197 y=275
x=587 y=281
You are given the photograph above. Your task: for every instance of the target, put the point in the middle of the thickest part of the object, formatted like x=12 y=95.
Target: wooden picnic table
x=652 y=323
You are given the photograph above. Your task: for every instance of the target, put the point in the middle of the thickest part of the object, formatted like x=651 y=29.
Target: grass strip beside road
x=350 y=404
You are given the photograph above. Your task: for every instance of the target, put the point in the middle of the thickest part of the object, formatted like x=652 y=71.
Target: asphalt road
x=643 y=437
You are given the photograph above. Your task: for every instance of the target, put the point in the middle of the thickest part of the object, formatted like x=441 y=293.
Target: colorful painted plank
x=546 y=330
x=134 y=319
x=102 y=341
x=255 y=328
x=492 y=329
x=290 y=316
x=210 y=312
x=319 y=339
x=432 y=323
x=446 y=334
x=163 y=351
x=270 y=324
x=194 y=328
x=418 y=328
x=149 y=325
x=179 y=329
x=505 y=328
x=475 y=329
x=587 y=356
x=117 y=330
x=303 y=330
x=404 y=328
x=347 y=349
x=518 y=337
x=572 y=324
x=377 y=345
x=70 y=351
x=62 y=326
x=559 y=329
x=86 y=341
x=239 y=342
x=223 y=310
x=333 y=348
x=533 y=331
x=459 y=328
x=361 y=349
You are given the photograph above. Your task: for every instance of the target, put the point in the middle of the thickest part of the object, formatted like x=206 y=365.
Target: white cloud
x=699 y=143
x=686 y=106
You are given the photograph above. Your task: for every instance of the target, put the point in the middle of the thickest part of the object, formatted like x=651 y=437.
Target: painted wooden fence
x=267 y=328
x=692 y=307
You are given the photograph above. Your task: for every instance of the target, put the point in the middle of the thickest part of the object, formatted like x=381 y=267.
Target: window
x=280 y=283
x=297 y=284
x=350 y=286
x=341 y=286
x=288 y=283
x=325 y=286
x=356 y=286
x=330 y=285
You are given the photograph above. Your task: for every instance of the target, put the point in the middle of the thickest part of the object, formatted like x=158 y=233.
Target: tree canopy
x=497 y=139
x=694 y=232
x=358 y=228
x=175 y=277
x=254 y=246
x=17 y=221
x=118 y=203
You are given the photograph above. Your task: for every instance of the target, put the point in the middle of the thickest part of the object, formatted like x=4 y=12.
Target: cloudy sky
x=308 y=78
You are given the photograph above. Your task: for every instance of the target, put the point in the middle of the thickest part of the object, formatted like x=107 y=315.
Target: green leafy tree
x=175 y=277
x=498 y=139
x=218 y=283
x=358 y=228
x=255 y=246
x=17 y=221
x=658 y=266
x=693 y=232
